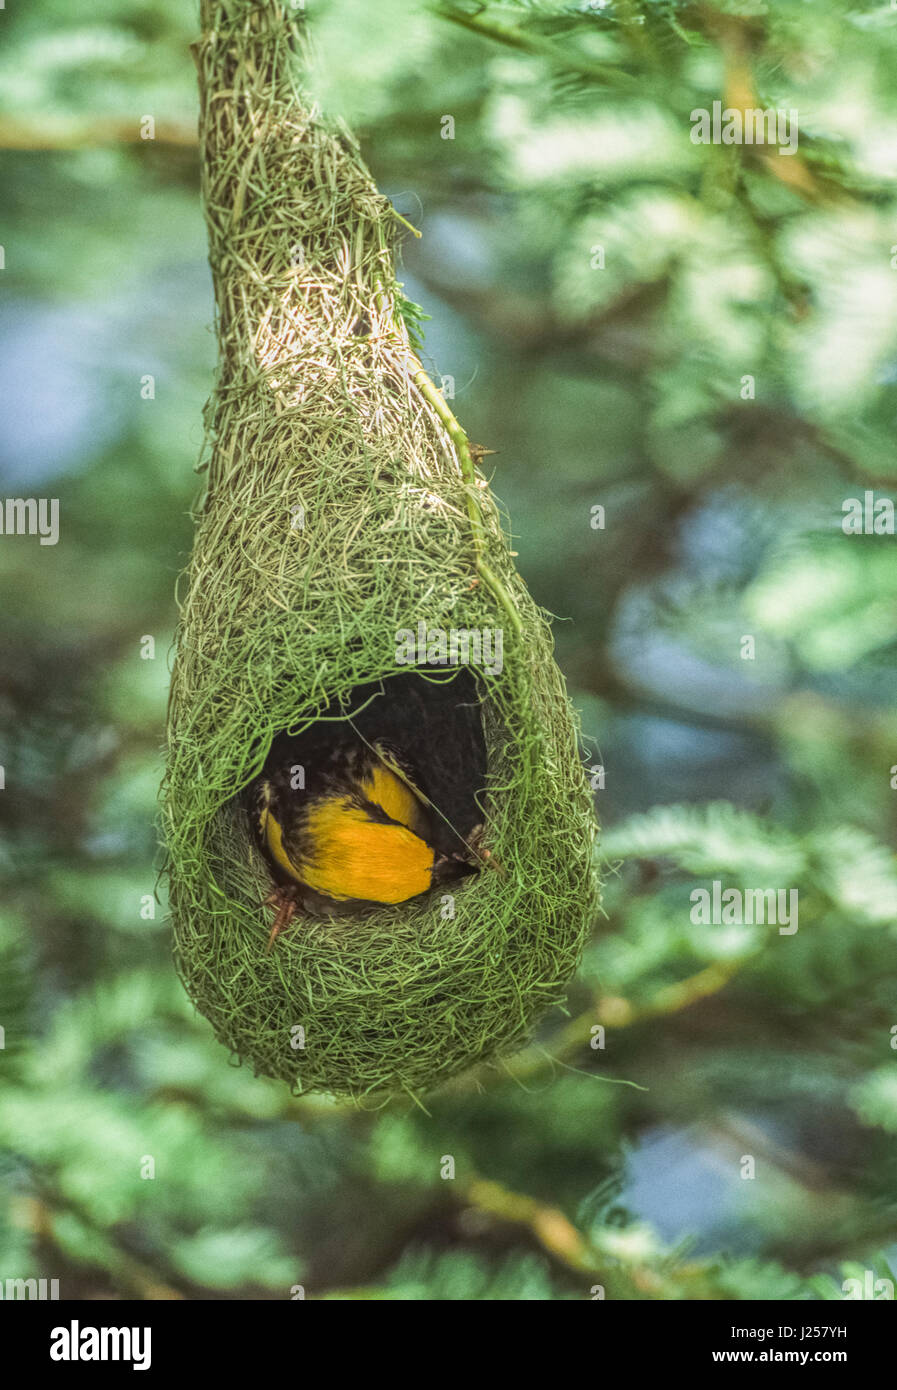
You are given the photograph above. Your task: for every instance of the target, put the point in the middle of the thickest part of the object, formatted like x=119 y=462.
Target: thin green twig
x=468 y=472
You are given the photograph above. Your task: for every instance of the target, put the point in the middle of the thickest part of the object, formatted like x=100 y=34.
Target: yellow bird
x=343 y=821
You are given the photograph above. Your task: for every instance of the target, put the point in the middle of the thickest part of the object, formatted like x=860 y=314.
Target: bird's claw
x=485 y=856
x=285 y=903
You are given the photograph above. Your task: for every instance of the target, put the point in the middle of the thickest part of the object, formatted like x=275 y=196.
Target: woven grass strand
x=342 y=504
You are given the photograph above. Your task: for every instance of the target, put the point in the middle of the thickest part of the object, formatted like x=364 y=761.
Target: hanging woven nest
x=343 y=508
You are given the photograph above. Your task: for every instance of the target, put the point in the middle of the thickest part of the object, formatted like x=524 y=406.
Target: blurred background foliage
x=618 y=385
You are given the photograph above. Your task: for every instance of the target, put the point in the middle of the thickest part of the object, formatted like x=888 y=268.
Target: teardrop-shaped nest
x=343 y=508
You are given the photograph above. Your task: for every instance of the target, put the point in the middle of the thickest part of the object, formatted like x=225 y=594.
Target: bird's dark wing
x=434 y=729
x=431 y=728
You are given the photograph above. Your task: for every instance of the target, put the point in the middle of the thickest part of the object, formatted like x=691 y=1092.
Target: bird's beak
x=451 y=866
